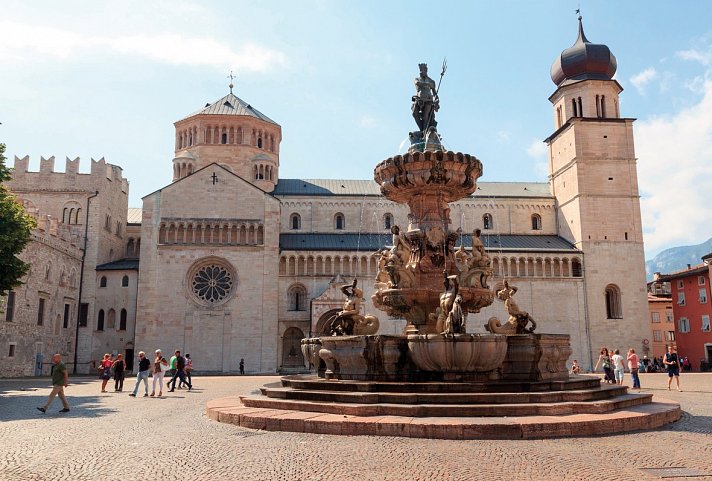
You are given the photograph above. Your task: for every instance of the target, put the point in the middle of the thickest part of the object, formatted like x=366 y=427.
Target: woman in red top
x=105 y=366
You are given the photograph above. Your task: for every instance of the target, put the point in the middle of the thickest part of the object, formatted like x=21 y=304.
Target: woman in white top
x=160 y=366
x=618 y=366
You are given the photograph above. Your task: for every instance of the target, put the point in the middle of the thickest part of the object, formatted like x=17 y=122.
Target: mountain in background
x=677 y=258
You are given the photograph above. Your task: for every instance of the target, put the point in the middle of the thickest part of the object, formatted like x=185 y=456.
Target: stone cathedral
x=230 y=261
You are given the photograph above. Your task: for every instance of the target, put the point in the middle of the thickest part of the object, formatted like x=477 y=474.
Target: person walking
x=144 y=366
x=60 y=380
x=105 y=370
x=672 y=362
x=172 y=371
x=618 y=366
x=633 y=366
x=605 y=359
x=179 y=373
x=188 y=371
x=242 y=367
x=160 y=366
x=119 y=366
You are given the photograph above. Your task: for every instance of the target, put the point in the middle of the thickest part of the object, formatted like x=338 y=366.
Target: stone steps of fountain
x=643 y=416
x=595 y=394
x=312 y=382
x=448 y=410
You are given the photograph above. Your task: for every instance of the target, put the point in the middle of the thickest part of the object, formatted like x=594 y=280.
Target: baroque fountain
x=437 y=379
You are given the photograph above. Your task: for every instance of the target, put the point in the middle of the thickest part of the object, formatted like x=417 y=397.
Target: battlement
x=100 y=169
x=50 y=229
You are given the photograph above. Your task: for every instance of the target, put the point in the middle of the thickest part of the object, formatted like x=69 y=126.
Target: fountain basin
x=366 y=358
x=310 y=349
x=450 y=175
x=537 y=357
x=415 y=303
x=458 y=353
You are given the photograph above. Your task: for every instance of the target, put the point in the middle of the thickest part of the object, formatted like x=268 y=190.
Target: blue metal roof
x=319 y=187
x=120 y=265
x=375 y=241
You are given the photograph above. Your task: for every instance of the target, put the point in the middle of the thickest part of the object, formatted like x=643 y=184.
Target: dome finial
x=581 y=35
x=231 y=77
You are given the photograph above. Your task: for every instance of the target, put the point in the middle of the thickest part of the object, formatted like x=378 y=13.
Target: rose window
x=212 y=283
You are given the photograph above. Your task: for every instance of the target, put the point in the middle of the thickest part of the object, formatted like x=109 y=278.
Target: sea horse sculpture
x=349 y=320
x=518 y=319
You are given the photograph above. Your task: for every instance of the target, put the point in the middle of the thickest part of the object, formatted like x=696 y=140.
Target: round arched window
x=212 y=281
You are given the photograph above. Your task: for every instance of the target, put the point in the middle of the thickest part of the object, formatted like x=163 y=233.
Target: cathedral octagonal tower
x=234 y=134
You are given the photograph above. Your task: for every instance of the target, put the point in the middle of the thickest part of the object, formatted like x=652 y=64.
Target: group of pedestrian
x=614 y=365
x=110 y=366
x=178 y=367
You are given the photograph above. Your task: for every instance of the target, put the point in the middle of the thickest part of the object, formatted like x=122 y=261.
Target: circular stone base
x=645 y=416
x=577 y=406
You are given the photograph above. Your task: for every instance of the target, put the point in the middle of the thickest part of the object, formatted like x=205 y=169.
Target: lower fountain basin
x=458 y=353
x=310 y=349
x=366 y=358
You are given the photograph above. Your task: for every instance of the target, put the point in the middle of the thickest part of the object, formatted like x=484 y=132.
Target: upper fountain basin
x=452 y=175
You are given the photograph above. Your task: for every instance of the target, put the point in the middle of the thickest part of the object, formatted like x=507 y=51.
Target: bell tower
x=592 y=173
x=232 y=133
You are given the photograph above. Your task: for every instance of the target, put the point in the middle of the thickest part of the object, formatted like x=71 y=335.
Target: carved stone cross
x=215 y=178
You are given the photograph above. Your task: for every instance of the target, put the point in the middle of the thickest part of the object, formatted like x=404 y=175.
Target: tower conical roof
x=231 y=105
x=584 y=61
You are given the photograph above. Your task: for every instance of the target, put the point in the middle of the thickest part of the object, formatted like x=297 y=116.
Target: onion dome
x=584 y=61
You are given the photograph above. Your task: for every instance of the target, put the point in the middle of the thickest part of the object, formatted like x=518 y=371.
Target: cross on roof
x=231 y=77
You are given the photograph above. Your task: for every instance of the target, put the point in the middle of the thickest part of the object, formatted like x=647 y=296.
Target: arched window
x=487 y=223
x=613 y=302
x=387 y=221
x=223 y=140
x=536 y=222
x=111 y=319
x=259 y=142
x=102 y=281
x=297 y=298
x=125 y=281
x=122 y=320
x=100 y=320
x=295 y=222
x=576 y=270
x=339 y=221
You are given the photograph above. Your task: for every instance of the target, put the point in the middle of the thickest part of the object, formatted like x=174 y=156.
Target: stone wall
x=55 y=263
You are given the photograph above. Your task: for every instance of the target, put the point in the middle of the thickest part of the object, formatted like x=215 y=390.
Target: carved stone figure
x=518 y=319
x=397 y=260
x=447 y=301
x=476 y=266
x=425 y=100
x=455 y=320
x=349 y=320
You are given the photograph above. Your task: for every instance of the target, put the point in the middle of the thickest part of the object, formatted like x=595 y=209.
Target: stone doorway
x=291 y=349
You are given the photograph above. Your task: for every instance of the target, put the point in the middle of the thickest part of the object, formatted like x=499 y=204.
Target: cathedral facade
x=232 y=262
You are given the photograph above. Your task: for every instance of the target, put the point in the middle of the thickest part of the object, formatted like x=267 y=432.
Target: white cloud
x=674 y=169
x=368 y=121
x=640 y=80
x=537 y=150
x=504 y=135
x=26 y=42
x=696 y=55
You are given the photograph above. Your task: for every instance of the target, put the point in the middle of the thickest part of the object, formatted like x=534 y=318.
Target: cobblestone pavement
x=115 y=437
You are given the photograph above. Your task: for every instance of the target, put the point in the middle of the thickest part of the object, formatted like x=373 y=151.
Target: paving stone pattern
x=115 y=437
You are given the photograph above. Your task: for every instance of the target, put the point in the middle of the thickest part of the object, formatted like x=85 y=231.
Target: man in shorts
x=672 y=362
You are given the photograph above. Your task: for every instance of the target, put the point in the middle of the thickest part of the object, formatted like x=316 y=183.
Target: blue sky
x=108 y=79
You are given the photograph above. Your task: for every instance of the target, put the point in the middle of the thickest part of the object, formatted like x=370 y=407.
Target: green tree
x=15 y=228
